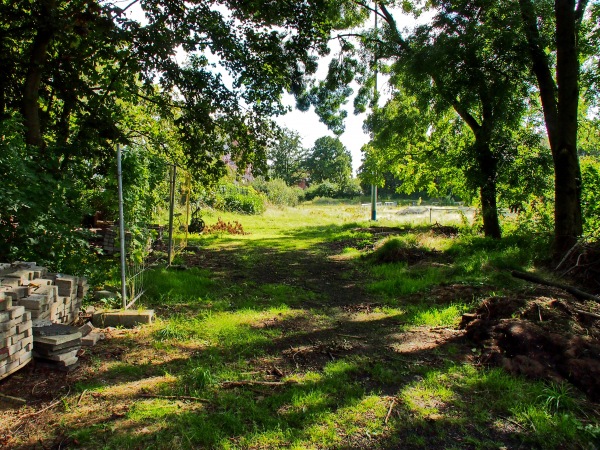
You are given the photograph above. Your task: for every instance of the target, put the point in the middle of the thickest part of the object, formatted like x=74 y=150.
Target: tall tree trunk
x=487 y=165
x=37 y=58
x=567 y=214
x=560 y=102
x=488 y=189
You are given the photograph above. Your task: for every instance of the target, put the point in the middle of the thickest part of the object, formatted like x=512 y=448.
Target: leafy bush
x=278 y=192
x=352 y=189
x=234 y=198
x=590 y=196
x=324 y=189
x=39 y=213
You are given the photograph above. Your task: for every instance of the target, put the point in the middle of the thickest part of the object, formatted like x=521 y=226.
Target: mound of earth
x=582 y=265
x=545 y=335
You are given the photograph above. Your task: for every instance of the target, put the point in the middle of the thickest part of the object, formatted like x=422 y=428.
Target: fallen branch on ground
x=231 y=384
x=387 y=417
x=175 y=397
x=565 y=287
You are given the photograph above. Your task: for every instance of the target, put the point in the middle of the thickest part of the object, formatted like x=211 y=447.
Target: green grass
x=235 y=321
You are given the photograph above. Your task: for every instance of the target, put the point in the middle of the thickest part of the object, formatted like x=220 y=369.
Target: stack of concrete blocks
x=49 y=297
x=89 y=335
x=16 y=340
x=70 y=291
x=30 y=296
x=111 y=243
x=56 y=346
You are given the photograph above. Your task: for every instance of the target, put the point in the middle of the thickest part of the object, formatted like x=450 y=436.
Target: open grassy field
x=315 y=330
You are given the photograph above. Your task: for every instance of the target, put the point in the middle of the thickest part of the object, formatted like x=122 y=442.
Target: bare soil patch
x=544 y=334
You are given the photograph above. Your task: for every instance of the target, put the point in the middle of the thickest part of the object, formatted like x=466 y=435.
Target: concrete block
x=22 y=275
x=12 y=349
x=13 y=282
x=16 y=312
x=57 y=340
x=32 y=304
x=127 y=319
x=62 y=357
x=5 y=303
x=7 y=326
x=92 y=339
x=86 y=329
x=67 y=285
x=25 y=327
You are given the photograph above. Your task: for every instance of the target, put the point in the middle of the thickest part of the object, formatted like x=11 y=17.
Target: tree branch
x=541 y=69
x=368 y=8
x=387 y=16
x=579 y=13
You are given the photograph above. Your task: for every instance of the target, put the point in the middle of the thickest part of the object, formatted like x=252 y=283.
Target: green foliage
x=329 y=160
x=351 y=189
x=287 y=158
x=326 y=189
x=278 y=193
x=39 y=214
x=590 y=197
x=235 y=198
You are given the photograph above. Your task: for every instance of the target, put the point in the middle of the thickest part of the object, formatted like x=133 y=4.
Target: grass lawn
x=317 y=329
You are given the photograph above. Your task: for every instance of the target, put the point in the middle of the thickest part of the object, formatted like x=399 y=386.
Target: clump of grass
x=399 y=279
x=437 y=316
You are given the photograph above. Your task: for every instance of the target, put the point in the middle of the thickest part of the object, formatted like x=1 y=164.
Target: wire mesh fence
x=162 y=233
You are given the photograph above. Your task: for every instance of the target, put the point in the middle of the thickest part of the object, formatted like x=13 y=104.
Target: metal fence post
x=171 y=212
x=121 y=229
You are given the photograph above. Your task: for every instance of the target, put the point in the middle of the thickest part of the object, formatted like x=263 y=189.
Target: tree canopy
x=485 y=60
x=329 y=160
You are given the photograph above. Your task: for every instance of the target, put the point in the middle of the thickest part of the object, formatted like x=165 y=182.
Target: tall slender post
x=373 y=202
x=374 y=186
x=121 y=229
x=171 y=212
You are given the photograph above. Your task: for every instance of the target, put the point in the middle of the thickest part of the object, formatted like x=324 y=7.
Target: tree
x=466 y=59
x=287 y=157
x=82 y=76
x=70 y=65
x=559 y=93
x=329 y=160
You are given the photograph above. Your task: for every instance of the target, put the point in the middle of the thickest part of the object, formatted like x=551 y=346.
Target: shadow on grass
x=358 y=379
x=340 y=406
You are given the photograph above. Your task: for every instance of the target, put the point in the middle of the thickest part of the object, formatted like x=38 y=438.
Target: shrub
x=234 y=198
x=278 y=192
x=590 y=196
x=324 y=189
x=352 y=189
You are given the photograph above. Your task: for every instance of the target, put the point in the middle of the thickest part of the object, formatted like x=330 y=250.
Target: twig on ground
x=10 y=398
x=513 y=422
x=175 y=397
x=81 y=396
x=586 y=313
x=231 y=384
x=350 y=336
x=389 y=413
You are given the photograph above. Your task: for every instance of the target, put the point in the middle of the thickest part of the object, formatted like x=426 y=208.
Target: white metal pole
x=121 y=228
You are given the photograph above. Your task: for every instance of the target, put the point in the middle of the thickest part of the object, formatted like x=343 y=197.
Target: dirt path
x=356 y=324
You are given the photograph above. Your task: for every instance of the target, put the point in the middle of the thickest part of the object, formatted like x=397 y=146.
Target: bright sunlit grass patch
x=437 y=316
